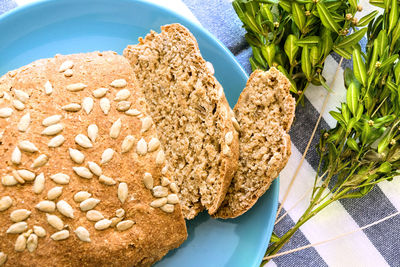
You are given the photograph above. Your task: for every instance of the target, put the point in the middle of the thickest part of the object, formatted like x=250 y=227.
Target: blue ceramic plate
x=46 y=28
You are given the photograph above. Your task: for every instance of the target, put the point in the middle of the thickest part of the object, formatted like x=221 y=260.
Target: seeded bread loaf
x=191 y=114
x=83 y=178
x=265 y=112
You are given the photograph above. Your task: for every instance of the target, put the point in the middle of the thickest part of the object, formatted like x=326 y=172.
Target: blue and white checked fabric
x=375 y=246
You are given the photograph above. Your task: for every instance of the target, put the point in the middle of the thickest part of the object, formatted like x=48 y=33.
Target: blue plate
x=45 y=28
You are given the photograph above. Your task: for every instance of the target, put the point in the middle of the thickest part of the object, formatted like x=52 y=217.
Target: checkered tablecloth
x=375 y=246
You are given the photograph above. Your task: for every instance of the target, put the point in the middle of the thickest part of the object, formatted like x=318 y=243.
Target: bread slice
x=191 y=114
x=265 y=112
x=141 y=231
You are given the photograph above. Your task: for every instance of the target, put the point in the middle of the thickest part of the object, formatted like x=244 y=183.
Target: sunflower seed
x=93 y=131
x=55 y=221
x=102 y=224
x=83 y=141
x=115 y=221
x=51 y=120
x=87 y=104
x=27 y=233
x=20 y=243
x=174 y=188
x=83 y=172
x=76 y=156
x=66 y=65
x=160 y=191
x=68 y=73
x=235 y=124
x=17 y=228
x=133 y=112
x=141 y=147
x=168 y=208
x=53 y=129
x=160 y=158
x=120 y=213
x=46 y=206
x=146 y=124
x=125 y=225
x=26 y=175
x=39 y=231
x=127 y=144
x=226 y=150
x=38 y=185
x=210 y=67
x=165 y=181
x=27 y=146
x=158 y=202
x=122 y=95
x=94 y=168
x=164 y=170
x=9 y=180
x=40 y=161
x=5 y=112
x=18 y=105
x=3 y=258
x=61 y=235
x=94 y=215
x=48 y=88
x=54 y=193
x=148 y=180
x=81 y=196
x=105 y=105
x=173 y=199
x=99 y=93
x=56 y=141
x=115 y=129
x=16 y=156
x=60 y=178
x=154 y=144
x=123 y=106
x=32 y=242
x=106 y=180
x=228 y=138
x=18 y=177
x=21 y=95
x=107 y=155
x=24 y=123
x=82 y=234
x=65 y=209
x=119 y=83
x=89 y=204
x=19 y=215
x=73 y=107
x=75 y=87
x=122 y=192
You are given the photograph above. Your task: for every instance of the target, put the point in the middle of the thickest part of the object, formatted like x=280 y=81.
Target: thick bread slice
x=146 y=231
x=191 y=114
x=265 y=112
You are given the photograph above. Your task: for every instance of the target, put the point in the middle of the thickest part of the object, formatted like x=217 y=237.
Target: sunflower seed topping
x=146 y=124
x=148 y=180
x=5 y=203
x=123 y=106
x=18 y=177
x=56 y=141
x=89 y=204
x=26 y=175
x=160 y=158
x=65 y=209
x=46 y=206
x=83 y=172
x=75 y=87
x=32 y=243
x=154 y=144
x=9 y=180
x=94 y=215
x=83 y=141
x=93 y=131
x=133 y=112
x=102 y=224
x=3 y=258
x=18 y=105
x=5 y=112
x=105 y=105
x=55 y=221
x=54 y=193
x=210 y=67
x=165 y=181
x=116 y=129
x=228 y=138
x=20 y=243
x=87 y=104
x=51 y=120
x=19 y=215
x=95 y=168
x=168 y=208
x=48 y=88
x=83 y=234
x=235 y=124
x=24 y=123
x=122 y=192
x=160 y=191
x=81 y=196
x=39 y=231
x=16 y=156
x=159 y=202
x=173 y=199
x=141 y=147
x=119 y=83
x=124 y=94
x=125 y=225
x=38 y=184
x=27 y=146
x=40 y=161
x=99 y=93
x=120 y=213
x=61 y=235
x=21 y=96
x=66 y=65
x=73 y=107
x=106 y=180
x=127 y=144
x=60 y=178
x=17 y=228
x=68 y=73
x=77 y=156
x=107 y=155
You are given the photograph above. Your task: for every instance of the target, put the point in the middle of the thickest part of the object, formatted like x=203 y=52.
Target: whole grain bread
x=191 y=114
x=73 y=124
x=265 y=112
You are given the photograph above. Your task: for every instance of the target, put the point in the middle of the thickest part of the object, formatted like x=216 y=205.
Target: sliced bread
x=191 y=114
x=265 y=112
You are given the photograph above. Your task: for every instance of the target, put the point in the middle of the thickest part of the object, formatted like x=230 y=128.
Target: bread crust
x=146 y=55
x=154 y=233
x=241 y=197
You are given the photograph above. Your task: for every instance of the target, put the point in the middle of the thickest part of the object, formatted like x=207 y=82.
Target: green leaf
x=393 y=15
x=352 y=39
x=293 y=87
x=309 y=40
x=274 y=238
x=348 y=77
x=365 y=133
x=395 y=35
x=345 y=112
x=367 y=19
x=238 y=9
x=374 y=56
x=378 y=3
x=298 y=16
x=352 y=96
x=252 y=8
x=333 y=5
x=397 y=72
x=251 y=23
x=285 y=5
x=323 y=83
x=352 y=144
x=266 y=12
x=382 y=41
x=268 y=51
x=359 y=112
x=305 y=62
x=258 y=56
x=384 y=143
x=291 y=48
x=337 y=116
x=359 y=67
x=385 y=167
x=326 y=42
x=389 y=61
x=326 y=17
x=342 y=52
x=353 y=4
x=314 y=55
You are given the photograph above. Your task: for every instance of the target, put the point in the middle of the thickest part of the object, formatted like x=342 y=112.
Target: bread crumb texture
x=265 y=112
x=72 y=189
x=191 y=115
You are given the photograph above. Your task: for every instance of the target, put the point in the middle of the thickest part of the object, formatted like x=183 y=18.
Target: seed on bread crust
x=81 y=196
x=160 y=191
x=27 y=146
x=125 y=225
x=61 y=235
x=75 y=87
x=99 y=93
x=159 y=202
x=53 y=129
x=87 y=104
x=89 y=204
x=83 y=172
x=26 y=175
x=54 y=193
x=32 y=243
x=141 y=147
x=55 y=221
x=160 y=158
x=48 y=88
x=83 y=234
x=133 y=112
x=123 y=105
x=65 y=209
x=83 y=141
x=17 y=228
x=115 y=129
x=18 y=105
x=148 y=180
x=72 y=107
x=39 y=231
x=51 y=120
x=153 y=145
x=94 y=215
x=77 y=156
x=24 y=122
x=106 y=180
x=124 y=94
x=5 y=112
x=105 y=105
x=38 y=184
x=9 y=180
x=93 y=132
x=168 y=208
x=56 y=141
x=107 y=155
x=60 y=178
x=228 y=138
x=119 y=83
x=146 y=124
x=127 y=144
x=3 y=258
x=40 y=161
x=19 y=215
x=46 y=206
x=68 y=64
x=20 y=243
x=95 y=168
x=16 y=156
x=122 y=192
x=102 y=224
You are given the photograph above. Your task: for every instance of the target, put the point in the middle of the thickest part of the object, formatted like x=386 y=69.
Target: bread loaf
x=81 y=176
x=191 y=114
x=265 y=112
